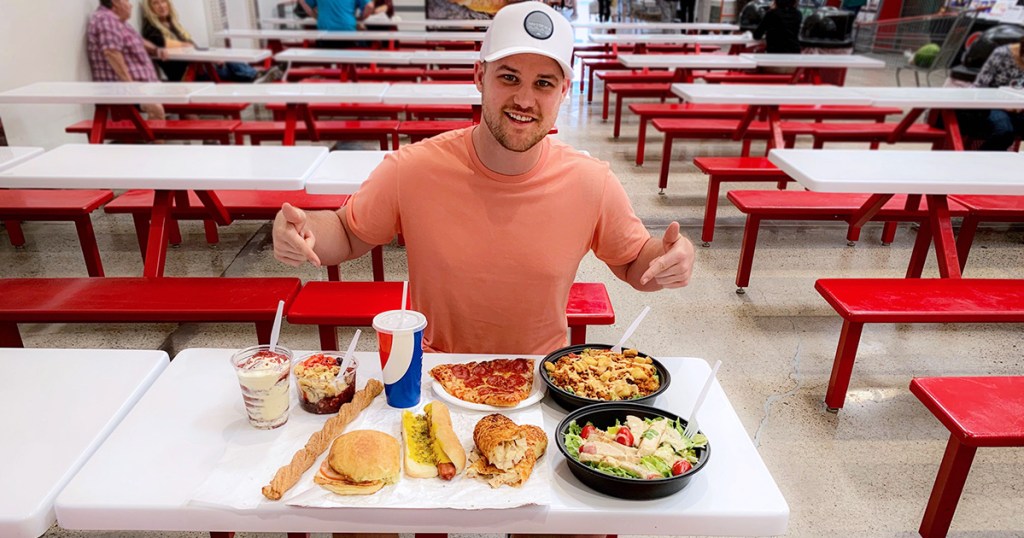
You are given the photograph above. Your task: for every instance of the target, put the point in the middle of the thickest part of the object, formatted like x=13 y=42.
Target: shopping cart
x=895 y=40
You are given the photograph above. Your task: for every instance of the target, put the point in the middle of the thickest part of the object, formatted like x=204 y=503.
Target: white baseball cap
x=529 y=28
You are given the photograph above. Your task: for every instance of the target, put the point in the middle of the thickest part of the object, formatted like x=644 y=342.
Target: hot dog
x=431 y=446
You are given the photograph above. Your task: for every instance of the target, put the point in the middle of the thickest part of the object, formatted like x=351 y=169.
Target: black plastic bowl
x=604 y=416
x=570 y=401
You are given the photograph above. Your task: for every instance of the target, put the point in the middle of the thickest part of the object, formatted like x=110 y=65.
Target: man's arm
x=667 y=263
x=116 y=61
x=319 y=237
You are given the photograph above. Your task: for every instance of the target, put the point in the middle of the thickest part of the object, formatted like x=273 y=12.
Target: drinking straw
x=405 y=291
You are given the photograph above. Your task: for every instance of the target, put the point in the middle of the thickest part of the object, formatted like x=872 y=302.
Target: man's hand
x=673 y=267
x=293 y=240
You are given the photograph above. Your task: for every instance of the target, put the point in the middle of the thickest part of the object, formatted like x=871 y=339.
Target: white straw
x=405 y=292
x=276 y=331
x=629 y=332
x=701 y=397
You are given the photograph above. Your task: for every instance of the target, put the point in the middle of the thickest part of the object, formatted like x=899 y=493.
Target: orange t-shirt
x=492 y=257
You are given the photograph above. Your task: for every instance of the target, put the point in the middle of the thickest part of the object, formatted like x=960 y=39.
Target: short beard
x=493 y=120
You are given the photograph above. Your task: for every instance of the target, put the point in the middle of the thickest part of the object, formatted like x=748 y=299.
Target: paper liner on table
x=253 y=456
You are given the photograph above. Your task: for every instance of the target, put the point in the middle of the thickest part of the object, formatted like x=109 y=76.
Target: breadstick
x=288 y=475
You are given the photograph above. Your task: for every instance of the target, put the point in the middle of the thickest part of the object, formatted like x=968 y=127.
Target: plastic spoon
x=348 y=358
x=617 y=348
x=691 y=425
x=276 y=330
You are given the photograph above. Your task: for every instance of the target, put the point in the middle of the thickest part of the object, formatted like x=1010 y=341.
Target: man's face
x=123 y=9
x=520 y=98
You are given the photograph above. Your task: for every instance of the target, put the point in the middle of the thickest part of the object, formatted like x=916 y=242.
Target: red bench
x=379 y=130
x=418 y=130
x=240 y=205
x=231 y=111
x=433 y=112
x=732 y=169
x=911 y=300
x=354 y=304
x=661 y=90
x=454 y=74
x=141 y=300
x=806 y=205
x=984 y=208
x=399 y=74
x=875 y=133
x=746 y=78
x=125 y=131
x=17 y=205
x=631 y=77
x=674 y=128
x=610 y=64
x=978 y=412
x=342 y=110
x=296 y=74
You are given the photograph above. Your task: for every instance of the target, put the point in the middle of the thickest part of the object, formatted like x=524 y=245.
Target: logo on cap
x=539 y=25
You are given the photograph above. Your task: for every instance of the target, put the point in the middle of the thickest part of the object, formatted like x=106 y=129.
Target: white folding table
x=946 y=101
x=812 y=64
x=170 y=170
x=684 y=64
x=443 y=23
x=768 y=97
x=114 y=100
x=734 y=42
x=445 y=57
x=933 y=174
x=282 y=21
x=434 y=94
x=121 y=488
x=205 y=60
x=343 y=172
x=61 y=404
x=678 y=26
x=297 y=96
x=14 y=155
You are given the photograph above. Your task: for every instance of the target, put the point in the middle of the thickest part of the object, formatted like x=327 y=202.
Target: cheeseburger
x=360 y=463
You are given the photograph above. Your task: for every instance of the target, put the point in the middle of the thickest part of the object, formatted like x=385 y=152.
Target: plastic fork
x=617 y=348
x=691 y=425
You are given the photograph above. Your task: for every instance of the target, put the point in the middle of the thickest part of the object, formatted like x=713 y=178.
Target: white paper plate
x=536 y=394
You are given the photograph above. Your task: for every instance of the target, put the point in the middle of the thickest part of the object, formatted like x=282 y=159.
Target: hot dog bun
x=419 y=459
x=446 y=444
x=431 y=446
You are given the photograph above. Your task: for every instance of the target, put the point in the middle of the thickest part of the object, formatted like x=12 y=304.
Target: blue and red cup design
x=400 y=341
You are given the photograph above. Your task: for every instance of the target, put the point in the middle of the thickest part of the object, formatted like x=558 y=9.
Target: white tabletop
x=344 y=56
x=733 y=495
x=280 y=21
x=699 y=26
x=769 y=94
x=444 y=23
x=963 y=98
x=285 y=35
x=217 y=54
x=343 y=172
x=849 y=61
x=432 y=94
x=416 y=37
x=60 y=404
x=95 y=166
x=293 y=92
x=909 y=172
x=686 y=61
x=103 y=93
x=673 y=39
x=445 y=57
x=13 y=155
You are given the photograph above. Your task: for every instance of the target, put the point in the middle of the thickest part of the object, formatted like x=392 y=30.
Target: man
x=117 y=53
x=780 y=28
x=335 y=15
x=497 y=216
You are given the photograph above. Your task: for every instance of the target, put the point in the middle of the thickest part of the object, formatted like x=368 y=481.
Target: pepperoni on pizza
x=498 y=382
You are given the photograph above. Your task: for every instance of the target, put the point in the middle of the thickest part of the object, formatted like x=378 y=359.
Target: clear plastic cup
x=400 y=341
x=264 y=377
x=321 y=384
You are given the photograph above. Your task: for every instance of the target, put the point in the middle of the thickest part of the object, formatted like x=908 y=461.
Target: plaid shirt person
x=106 y=31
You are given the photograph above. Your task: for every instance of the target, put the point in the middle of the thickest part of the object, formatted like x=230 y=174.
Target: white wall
x=44 y=40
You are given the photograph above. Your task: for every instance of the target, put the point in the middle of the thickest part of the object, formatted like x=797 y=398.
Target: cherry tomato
x=587 y=430
x=624 y=436
x=680 y=467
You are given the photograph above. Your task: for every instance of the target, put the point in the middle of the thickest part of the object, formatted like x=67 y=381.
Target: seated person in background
x=380 y=15
x=780 y=27
x=160 y=27
x=999 y=128
x=117 y=53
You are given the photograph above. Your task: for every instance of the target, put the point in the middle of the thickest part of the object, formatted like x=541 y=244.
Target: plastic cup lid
x=394 y=321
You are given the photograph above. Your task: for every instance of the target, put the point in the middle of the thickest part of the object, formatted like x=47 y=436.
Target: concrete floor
x=865 y=472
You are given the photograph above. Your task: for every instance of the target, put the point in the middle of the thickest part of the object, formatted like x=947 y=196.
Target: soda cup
x=400 y=339
x=264 y=377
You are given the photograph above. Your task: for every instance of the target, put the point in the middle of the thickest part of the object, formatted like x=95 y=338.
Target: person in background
x=380 y=15
x=497 y=216
x=854 y=6
x=335 y=15
x=117 y=53
x=998 y=128
x=686 y=10
x=604 y=10
x=161 y=28
x=780 y=27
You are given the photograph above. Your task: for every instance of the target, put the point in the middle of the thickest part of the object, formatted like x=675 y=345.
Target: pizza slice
x=497 y=382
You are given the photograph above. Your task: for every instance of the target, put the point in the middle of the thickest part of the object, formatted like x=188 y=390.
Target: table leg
x=952 y=126
x=307 y=117
x=217 y=210
x=289 y=125
x=920 y=252
x=905 y=124
x=949 y=484
x=870 y=208
x=775 y=138
x=99 y=124
x=942 y=235
x=745 y=121
x=156 y=245
x=190 y=73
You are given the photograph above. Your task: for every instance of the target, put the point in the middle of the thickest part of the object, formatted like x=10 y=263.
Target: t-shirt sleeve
x=619 y=234
x=372 y=213
x=107 y=35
